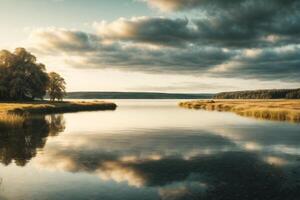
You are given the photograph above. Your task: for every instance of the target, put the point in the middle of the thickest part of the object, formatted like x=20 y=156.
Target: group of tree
x=33 y=136
x=261 y=94
x=23 y=78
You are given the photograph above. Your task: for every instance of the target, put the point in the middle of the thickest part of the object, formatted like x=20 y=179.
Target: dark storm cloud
x=251 y=24
x=233 y=23
x=172 y=61
x=213 y=42
x=65 y=40
x=180 y=5
x=95 y=53
x=157 y=30
x=268 y=64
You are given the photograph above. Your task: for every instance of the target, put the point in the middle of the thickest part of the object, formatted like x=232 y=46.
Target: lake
x=151 y=150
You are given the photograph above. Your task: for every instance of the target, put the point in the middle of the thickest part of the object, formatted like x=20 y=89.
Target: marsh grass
x=11 y=121
x=13 y=115
x=280 y=110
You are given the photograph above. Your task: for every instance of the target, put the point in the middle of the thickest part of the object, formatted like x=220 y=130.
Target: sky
x=189 y=46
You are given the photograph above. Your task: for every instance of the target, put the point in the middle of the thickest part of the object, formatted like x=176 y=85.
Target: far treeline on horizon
x=251 y=94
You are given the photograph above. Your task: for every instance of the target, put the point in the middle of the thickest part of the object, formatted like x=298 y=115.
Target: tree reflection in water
x=167 y=162
x=21 y=146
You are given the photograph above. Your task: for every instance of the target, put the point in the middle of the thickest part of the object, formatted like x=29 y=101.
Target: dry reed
x=281 y=110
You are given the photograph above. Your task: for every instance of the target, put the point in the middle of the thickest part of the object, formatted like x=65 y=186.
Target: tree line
x=23 y=78
x=261 y=94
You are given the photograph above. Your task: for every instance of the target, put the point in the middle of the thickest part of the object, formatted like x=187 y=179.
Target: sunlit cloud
x=183 y=190
x=117 y=172
x=151 y=30
x=252 y=146
x=171 y=5
x=172 y=46
x=234 y=40
x=272 y=160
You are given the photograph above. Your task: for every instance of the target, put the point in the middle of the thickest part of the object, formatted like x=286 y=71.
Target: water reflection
x=21 y=146
x=184 y=164
x=216 y=159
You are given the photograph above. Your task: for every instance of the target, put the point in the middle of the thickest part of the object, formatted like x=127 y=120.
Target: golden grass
x=13 y=115
x=10 y=121
x=281 y=110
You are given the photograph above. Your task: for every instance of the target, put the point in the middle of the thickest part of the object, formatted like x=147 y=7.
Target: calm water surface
x=151 y=150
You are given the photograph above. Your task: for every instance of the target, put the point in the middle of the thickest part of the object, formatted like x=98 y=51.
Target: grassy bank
x=281 y=110
x=13 y=115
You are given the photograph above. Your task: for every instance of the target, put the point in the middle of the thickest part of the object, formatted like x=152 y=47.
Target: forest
x=260 y=94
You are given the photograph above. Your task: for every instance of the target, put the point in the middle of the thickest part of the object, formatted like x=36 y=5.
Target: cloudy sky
x=160 y=45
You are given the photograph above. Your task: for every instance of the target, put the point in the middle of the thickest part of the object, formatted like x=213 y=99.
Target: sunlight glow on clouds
x=249 y=40
x=158 y=30
x=171 y=5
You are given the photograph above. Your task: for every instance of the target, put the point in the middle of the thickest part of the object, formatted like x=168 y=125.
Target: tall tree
x=56 y=87
x=21 y=77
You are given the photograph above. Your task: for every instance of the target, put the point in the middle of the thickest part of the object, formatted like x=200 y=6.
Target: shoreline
x=14 y=114
x=277 y=110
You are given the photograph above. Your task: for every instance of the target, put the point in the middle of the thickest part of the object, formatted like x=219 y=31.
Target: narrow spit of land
x=13 y=115
x=280 y=110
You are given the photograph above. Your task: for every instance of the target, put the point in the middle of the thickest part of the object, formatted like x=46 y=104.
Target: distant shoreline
x=136 y=95
x=246 y=94
x=279 y=110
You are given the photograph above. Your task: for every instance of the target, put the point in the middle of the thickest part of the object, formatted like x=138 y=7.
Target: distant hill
x=260 y=94
x=135 y=95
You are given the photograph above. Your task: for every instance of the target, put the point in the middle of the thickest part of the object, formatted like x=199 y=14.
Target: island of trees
x=260 y=94
x=22 y=78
